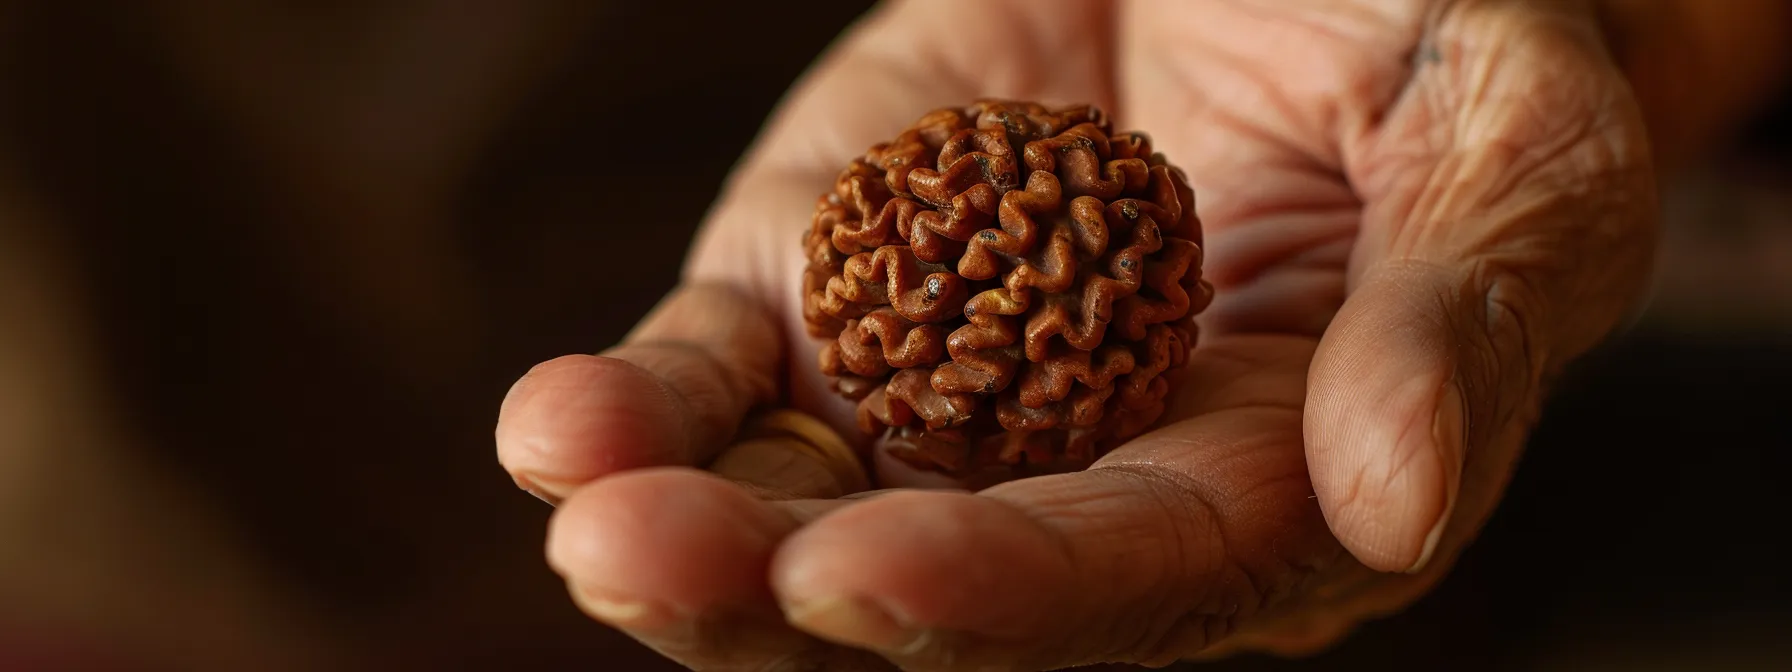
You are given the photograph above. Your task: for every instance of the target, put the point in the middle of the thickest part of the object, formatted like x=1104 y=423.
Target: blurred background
x=267 y=268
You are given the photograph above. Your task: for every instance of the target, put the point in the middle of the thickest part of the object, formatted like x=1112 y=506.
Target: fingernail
x=1448 y=433
x=623 y=612
x=529 y=486
x=856 y=622
x=1430 y=547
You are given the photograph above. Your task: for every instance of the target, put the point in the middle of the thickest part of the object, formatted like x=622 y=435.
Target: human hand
x=1416 y=213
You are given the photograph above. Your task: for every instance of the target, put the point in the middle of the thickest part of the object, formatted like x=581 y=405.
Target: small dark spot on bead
x=1129 y=210
x=934 y=289
x=1127 y=264
x=989 y=386
x=988 y=235
x=970 y=311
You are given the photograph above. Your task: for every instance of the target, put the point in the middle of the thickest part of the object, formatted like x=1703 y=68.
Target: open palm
x=1415 y=213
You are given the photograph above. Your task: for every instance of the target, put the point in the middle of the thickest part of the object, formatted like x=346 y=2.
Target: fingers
x=671 y=394
x=1508 y=228
x=698 y=526
x=677 y=559
x=1158 y=551
x=1125 y=563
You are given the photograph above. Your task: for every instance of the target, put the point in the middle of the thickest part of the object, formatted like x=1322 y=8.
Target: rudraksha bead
x=1005 y=285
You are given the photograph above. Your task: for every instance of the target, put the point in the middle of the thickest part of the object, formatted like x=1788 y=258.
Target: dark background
x=318 y=241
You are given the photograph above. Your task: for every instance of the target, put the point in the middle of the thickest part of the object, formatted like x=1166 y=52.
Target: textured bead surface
x=1005 y=285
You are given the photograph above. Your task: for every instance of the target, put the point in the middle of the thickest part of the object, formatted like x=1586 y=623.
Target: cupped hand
x=1415 y=214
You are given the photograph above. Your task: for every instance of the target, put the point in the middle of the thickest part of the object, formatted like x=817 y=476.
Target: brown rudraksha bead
x=1005 y=286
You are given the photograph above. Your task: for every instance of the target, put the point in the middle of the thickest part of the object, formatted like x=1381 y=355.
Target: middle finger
x=677 y=559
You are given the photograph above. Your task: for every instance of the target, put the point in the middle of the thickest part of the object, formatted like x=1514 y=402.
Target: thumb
x=1488 y=263
x=672 y=394
x=1385 y=417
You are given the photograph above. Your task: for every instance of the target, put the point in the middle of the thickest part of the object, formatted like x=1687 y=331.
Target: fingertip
x=671 y=536
x=1386 y=514
x=931 y=560
x=1386 y=476
x=576 y=418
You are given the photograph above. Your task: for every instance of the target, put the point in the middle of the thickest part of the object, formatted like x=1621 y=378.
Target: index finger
x=671 y=395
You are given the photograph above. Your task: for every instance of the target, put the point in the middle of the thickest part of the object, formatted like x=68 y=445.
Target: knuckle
x=1506 y=324
x=1538 y=135
x=1204 y=597
x=691 y=379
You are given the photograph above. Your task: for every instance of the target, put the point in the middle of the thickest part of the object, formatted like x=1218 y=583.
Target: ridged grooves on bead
x=1005 y=284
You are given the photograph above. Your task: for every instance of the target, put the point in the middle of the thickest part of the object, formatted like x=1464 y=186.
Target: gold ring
x=817 y=438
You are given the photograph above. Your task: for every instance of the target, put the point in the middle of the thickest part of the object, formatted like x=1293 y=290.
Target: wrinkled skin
x=1417 y=213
